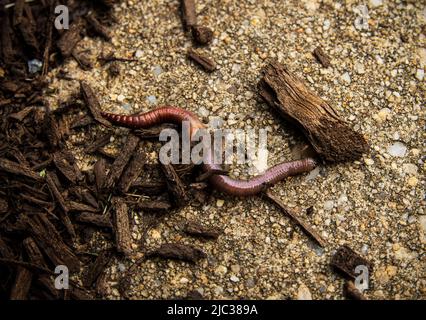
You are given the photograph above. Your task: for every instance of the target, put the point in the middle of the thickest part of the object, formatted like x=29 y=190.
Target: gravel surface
x=375 y=81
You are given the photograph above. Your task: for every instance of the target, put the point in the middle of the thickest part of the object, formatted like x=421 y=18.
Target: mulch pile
x=48 y=206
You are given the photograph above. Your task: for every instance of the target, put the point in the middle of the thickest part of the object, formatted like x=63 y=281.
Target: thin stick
x=299 y=220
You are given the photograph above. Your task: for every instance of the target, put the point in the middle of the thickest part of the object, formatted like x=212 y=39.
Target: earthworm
x=169 y=114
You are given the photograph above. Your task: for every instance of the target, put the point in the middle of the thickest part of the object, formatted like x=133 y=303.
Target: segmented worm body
x=223 y=183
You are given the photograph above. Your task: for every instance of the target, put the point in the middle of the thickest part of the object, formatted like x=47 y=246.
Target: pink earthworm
x=253 y=186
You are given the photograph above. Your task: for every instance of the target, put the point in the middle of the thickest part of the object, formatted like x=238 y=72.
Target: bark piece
x=156 y=206
x=330 y=136
x=352 y=292
x=20 y=170
x=97 y=27
x=121 y=161
x=93 y=104
x=133 y=170
x=100 y=174
x=175 y=186
x=189 y=15
x=346 y=260
x=70 y=38
x=205 y=62
x=22 y=284
x=202 y=35
x=297 y=218
x=97 y=268
x=98 y=220
x=65 y=163
x=178 y=251
x=50 y=241
x=60 y=199
x=123 y=239
x=322 y=58
x=197 y=230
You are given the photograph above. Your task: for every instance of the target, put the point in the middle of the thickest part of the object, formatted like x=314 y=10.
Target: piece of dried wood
x=205 y=62
x=197 y=230
x=93 y=104
x=50 y=241
x=99 y=170
x=330 y=136
x=62 y=203
x=20 y=170
x=70 y=38
x=175 y=186
x=346 y=260
x=133 y=170
x=97 y=267
x=123 y=239
x=352 y=292
x=202 y=35
x=22 y=284
x=121 y=161
x=297 y=218
x=155 y=206
x=178 y=251
x=322 y=58
x=95 y=219
x=189 y=15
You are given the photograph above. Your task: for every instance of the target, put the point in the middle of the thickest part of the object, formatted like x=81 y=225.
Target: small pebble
x=398 y=149
x=220 y=202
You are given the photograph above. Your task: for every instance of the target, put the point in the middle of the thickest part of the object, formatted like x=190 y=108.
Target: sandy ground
x=376 y=82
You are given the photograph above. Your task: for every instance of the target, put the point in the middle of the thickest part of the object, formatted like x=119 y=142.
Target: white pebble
x=234 y=279
x=120 y=98
x=203 y=112
x=152 y=99
x=346 y=77
x=328 y=205
x=220 y=203
x=420 y=74
x=376 y=3
x=157 y=70
x=138 y=53
x=398 y=149
x=409 y=168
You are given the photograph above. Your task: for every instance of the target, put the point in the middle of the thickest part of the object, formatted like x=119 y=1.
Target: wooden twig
x=296 y=218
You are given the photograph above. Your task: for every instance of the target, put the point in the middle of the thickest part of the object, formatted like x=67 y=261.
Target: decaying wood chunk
x=189 y=15
x=178 y=251
x=70 y=38
x=322 y=58
x=205 y=62
x=202 y=35
x=123 y=237
x=98 y=220
x=197 y=230
x=346 y=260
x=330 y=136
x=121 y=162
x=93 y=104
x=133 y=170
x=352 y=292
x=175 y=186
x=97 y=267
x=22 y=284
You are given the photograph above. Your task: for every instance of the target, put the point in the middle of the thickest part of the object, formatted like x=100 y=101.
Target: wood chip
x=175 y=186
x=330 y=136
x=189 y=15
x=97 y=267
x=133 y=170
x=50 y=241
x=123 y=239
x=70 y=38
x=178 y=251
x=93 y=103
x=208 y=64
x=322 y=57
x=202 y=35
x=197 y=230
x=22 y=284
x=352 y=292
x=297 y=218
x=121 y=161
x=95 y=219
x=346 y=260
x=20 y=170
